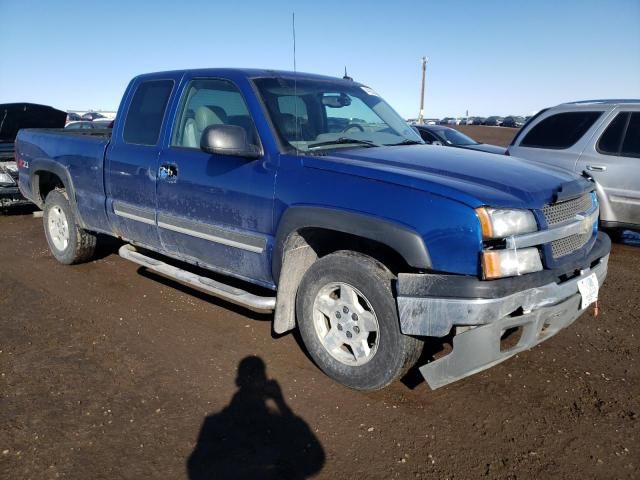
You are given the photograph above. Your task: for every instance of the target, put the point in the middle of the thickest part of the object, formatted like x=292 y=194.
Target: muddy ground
x=109 y=372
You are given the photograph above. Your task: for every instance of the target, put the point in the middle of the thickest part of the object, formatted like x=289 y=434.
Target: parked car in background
x=493 y=121
x=597 y=138
x=92 y=116
x=479 y=120
x=513 y=122
x=450 y=137
x=448 y=121
x=73 y=117
x=13 y=117
x=82 y=125
x=103 y=122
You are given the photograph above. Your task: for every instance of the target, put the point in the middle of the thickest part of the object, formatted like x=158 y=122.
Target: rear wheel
x=67 y=241
x=348 y=321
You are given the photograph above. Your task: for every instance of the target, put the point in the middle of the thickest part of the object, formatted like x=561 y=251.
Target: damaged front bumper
x=540 y=305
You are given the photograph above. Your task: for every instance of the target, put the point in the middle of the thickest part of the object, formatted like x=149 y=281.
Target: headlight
x=501 y=223
x=509 y=263
x=6 y=178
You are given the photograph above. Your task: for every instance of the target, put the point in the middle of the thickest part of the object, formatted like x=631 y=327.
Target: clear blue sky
x=490 y=57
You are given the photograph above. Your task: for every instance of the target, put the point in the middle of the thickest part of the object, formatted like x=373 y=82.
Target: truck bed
x=80 y=153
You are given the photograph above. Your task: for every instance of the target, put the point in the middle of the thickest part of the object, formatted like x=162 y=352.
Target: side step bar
x=217 y=289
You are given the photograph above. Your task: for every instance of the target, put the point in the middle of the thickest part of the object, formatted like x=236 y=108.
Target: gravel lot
x=107 y=371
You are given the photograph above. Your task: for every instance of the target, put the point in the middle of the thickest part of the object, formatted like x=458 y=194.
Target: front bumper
x=540 y=310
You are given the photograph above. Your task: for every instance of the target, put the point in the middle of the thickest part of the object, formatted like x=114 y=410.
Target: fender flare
x=407 y=242
x=49 y=166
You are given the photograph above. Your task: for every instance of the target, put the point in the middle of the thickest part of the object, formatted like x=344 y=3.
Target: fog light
x=509 y=263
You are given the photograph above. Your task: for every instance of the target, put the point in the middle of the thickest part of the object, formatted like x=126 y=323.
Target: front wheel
x=67 y=241
x=348 y=321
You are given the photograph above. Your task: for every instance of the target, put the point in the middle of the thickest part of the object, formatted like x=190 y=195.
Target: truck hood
x=471 y=177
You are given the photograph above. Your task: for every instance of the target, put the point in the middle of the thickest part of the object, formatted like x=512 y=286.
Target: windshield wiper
x=342 y=141
x=406 y=141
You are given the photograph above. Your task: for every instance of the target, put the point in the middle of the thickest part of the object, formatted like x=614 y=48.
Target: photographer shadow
x=256 y=436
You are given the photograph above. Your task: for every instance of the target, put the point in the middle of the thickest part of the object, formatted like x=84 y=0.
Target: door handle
x=168 y=172
x=597 y=168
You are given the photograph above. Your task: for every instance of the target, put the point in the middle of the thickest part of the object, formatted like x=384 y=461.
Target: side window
x=631 y=143
x=146 y=111
x=611 y=139
x=211 y=102
x=561 y=130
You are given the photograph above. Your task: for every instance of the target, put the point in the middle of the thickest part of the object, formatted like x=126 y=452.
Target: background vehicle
x=13 y=117
x=598 y=138
x=103 y=122
x=73 y=117
x=448 y=121
x=493 y=121
x=479 y=120
x=92 y=116
x=450 y=137
x=82 y=124
x=325 y=206
x=513 y=122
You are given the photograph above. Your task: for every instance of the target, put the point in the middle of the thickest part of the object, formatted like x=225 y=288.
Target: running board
x=217 y=289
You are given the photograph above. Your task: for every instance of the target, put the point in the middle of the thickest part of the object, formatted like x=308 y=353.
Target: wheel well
x=304 y=246
x=324 y=241
x=44 y=183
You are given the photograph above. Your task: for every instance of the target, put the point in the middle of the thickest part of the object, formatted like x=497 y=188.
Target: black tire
x=81 y=245
x=395 y=353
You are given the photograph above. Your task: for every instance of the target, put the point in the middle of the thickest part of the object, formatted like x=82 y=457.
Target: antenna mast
x=295 y=76
x=424 y=73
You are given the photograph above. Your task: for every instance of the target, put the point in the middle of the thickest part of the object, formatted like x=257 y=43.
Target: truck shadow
x=257 y=436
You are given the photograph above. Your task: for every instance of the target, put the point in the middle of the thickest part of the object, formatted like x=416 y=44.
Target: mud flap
x=296 y=262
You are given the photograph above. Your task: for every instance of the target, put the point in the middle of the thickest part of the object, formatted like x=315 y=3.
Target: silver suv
x=600 y=138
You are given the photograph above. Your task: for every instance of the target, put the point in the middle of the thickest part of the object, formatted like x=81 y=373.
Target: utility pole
x=424 y=73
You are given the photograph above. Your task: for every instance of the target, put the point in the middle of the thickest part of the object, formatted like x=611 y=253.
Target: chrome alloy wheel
x=58 y=228
x=346 y=324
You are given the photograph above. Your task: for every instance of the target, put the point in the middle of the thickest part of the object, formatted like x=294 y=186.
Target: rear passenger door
x=613 y=160
x=215 y=210
x=131 y=163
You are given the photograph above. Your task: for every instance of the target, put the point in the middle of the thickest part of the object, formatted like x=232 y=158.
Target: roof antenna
x=295 y=76
x=346 y=77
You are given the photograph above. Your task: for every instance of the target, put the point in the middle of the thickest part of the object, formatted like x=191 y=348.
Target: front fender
x=408 y=243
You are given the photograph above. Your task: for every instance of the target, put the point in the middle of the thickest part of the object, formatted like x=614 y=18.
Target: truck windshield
x=313 y=115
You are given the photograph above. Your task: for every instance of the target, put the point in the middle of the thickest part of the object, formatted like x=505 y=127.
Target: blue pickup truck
x=310 y=197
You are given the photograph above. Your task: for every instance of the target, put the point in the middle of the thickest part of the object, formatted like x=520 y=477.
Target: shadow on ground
x=256 y=436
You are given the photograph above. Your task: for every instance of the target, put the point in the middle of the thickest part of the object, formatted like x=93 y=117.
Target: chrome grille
x=565 y=246
x=563 y=211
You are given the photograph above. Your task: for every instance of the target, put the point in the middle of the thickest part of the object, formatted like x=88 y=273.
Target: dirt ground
x=496 y=135
x=109 y=372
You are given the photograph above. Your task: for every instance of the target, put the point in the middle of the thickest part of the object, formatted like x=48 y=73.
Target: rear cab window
x=146 y=112
x=560 y=131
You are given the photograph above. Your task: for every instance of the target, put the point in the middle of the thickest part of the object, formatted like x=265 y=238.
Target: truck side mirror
x=228 y=140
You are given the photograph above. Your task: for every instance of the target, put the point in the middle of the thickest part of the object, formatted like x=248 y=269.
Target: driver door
x=215 y=210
